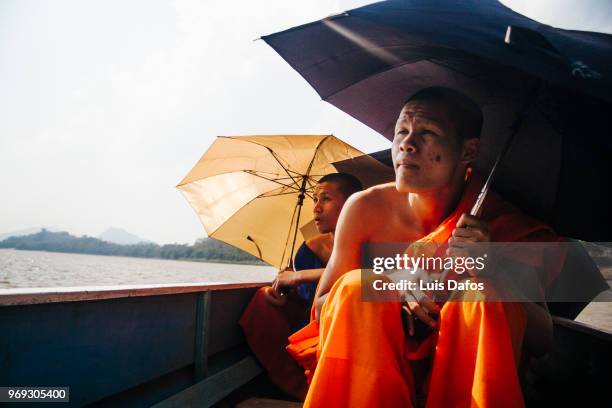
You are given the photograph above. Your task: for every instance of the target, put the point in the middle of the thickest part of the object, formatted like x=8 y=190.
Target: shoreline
x=198 y=260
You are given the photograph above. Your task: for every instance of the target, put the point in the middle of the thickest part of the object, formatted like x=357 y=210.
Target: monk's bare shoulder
x=370 y=204
x=321 y=245
x=378 y=197
x=318 y=240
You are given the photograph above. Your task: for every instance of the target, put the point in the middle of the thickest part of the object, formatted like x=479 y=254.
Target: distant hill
x=26 y=231
x=121 y=237
x=205 y=249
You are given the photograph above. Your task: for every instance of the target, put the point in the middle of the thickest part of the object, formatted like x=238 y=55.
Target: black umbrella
x=552 y=86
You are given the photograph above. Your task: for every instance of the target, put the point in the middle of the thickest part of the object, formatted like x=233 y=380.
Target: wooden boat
x=180 y=345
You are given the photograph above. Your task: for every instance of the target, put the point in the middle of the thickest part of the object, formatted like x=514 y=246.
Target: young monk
x=357 y=353
x=277 y=311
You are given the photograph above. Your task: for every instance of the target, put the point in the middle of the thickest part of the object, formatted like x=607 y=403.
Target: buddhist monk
x=363 y=354
x=277 y=311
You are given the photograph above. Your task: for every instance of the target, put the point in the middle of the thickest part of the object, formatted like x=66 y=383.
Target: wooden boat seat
x=268 y=403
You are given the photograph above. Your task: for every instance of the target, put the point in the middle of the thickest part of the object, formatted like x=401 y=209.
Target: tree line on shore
x=206 y=249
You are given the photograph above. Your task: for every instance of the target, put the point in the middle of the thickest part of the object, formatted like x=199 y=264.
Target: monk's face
x=328 y=199
x=426 y=150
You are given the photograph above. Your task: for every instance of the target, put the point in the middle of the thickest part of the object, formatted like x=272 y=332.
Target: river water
x=33 y=269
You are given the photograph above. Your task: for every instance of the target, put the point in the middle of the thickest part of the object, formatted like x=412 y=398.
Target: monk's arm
x=350 y=232
x=290 y=278
x=310 y=275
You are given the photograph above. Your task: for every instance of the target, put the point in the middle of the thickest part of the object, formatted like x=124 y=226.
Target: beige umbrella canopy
x=255 y=192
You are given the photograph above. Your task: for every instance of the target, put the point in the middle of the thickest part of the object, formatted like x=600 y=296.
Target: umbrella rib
x=274 y=174
x=311 y=182
x=269 y=151
x=259 y=173
x=263 y=195
x=272 y=180
x=286 y=169
x=314 y=155
x=267 y=172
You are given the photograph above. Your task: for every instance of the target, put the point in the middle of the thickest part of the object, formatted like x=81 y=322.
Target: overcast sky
x=106 y=105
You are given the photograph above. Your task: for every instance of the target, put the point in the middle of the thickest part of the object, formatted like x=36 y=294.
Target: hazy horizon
x=107 y=105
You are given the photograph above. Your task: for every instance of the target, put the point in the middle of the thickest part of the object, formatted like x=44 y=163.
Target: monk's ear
x=470 y=149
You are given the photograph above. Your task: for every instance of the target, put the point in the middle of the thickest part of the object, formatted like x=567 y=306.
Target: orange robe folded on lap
x=359 y=356
x=266 y=328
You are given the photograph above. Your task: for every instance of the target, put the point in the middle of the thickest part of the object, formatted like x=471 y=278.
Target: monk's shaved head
x=347 y=183
x=462 y=111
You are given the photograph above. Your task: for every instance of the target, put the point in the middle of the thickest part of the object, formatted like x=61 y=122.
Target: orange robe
x=266 y=328
x=359 y=356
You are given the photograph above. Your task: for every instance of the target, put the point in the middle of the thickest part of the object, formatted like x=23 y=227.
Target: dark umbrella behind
x=367 y=62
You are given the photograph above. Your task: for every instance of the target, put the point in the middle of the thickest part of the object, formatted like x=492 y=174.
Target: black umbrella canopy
x=368 y=61
x=335 y=53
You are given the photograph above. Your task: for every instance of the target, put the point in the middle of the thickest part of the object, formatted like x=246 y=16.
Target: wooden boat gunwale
x=31 y=296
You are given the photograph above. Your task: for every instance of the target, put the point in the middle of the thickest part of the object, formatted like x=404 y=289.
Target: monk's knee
x=263 y=297
x=260 y=295
x=349 y=285
x=349 y=291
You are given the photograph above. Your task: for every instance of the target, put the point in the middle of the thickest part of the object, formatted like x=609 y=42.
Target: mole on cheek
x=434 y=157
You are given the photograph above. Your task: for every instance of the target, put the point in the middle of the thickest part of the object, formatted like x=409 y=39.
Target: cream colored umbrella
x=255 y=192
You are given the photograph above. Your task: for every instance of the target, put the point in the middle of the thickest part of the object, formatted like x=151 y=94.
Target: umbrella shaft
x=300 y=203
x=514 y=129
